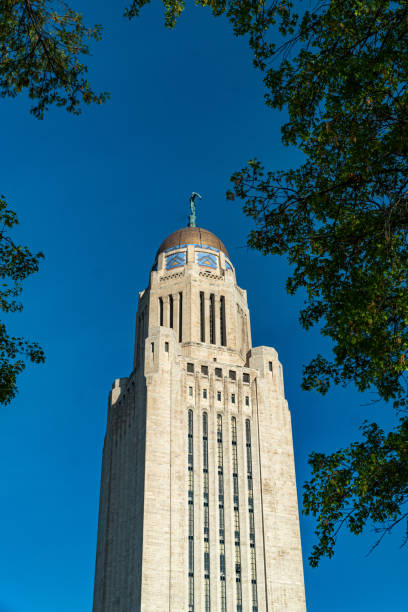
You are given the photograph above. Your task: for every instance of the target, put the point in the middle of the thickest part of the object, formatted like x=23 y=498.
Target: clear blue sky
x=98 y=194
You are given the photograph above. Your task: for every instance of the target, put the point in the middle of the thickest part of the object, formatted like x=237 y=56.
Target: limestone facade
x=198 y=505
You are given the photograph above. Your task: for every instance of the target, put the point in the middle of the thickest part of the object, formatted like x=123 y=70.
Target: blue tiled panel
x=175 y=261
x=228 y=265
x=184 y=246
x=179 y=246
x=207 y=259
x=205 y=246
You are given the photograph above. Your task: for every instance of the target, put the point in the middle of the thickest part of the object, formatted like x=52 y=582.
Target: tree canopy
x=340 y=69
x=16 y=264
x=42 y=43
x=41 y=46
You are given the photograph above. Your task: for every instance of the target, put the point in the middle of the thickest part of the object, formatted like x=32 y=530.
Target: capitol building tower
x=198 y=506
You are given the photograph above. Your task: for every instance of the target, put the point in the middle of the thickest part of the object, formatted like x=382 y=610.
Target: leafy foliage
x=366 y=482
x=41 y=43
x=16 y=263
x=340 y=217
x=351 y=258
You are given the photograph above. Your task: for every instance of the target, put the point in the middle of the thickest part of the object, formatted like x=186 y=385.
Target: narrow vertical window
x=223 y=329
x=180 y=322
x=221 y=533
x=171 y=306
x=161 y=310
x=202 y=317
x=206 y=516
x=237 y=534
x=190 y=513
x=212 y=318
x=251 y=516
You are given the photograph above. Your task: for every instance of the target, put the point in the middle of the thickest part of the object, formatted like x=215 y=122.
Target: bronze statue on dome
x=192 y=217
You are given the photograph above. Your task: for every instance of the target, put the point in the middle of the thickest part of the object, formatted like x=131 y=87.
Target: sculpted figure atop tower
x=198 y=507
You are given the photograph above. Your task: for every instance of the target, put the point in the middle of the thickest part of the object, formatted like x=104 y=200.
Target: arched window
x=212 y=318
x=223 y=328
x=171 y=306
x=180 y=321
x=202 y=317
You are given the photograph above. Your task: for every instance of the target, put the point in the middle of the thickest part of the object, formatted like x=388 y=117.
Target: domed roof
x=192 y=235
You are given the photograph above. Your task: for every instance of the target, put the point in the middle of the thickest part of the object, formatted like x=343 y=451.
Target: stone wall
x=142 y=553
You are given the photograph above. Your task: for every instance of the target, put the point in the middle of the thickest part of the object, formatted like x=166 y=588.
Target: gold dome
x=192 y=235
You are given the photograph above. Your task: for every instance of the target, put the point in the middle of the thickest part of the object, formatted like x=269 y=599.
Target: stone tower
x=198 y=507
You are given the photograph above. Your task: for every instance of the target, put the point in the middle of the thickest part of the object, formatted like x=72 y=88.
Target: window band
x=252 y=547
x=237 y=534
x=206 y=516
x=221 y=532
x=190 y=514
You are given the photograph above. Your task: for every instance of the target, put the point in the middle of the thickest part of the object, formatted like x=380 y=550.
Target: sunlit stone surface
x=198 y=507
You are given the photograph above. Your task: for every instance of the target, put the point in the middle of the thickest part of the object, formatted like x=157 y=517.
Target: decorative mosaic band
x=176 y=260
x=208 y=260
x=184 y=246
x=174 y=248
